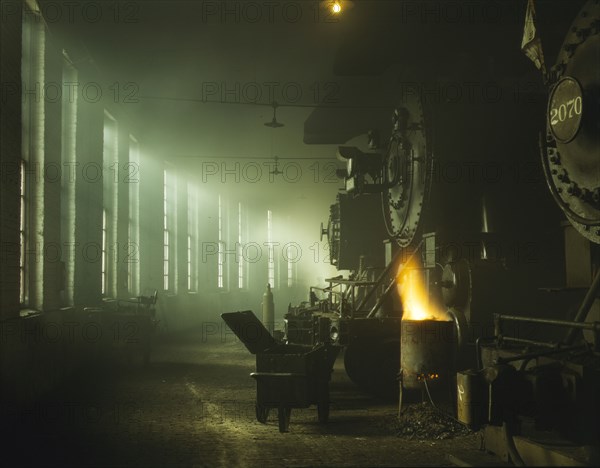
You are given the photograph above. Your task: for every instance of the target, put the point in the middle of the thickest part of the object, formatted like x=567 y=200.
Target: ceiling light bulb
x=336 y=7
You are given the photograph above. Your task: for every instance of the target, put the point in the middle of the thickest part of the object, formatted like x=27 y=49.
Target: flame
x=416 y=303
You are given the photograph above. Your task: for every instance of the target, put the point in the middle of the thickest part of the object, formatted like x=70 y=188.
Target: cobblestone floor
x=193 y=405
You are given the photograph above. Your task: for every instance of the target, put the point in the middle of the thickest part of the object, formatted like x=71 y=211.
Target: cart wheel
x=284 y=418
x=323 y=411
x=262 y=413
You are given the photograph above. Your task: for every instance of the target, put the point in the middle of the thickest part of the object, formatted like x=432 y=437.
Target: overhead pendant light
x=276 y=171
x=273 y=123
x=335 y=7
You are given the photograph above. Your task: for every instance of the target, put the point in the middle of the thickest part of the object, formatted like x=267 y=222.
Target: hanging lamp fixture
x=273 y=123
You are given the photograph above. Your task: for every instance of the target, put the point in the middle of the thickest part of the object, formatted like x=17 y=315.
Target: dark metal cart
x=287 y=376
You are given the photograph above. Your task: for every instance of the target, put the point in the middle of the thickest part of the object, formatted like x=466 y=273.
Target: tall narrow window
x=166 y=246
x=69 y=176
x=221 y=253
x=166 y=260
x=290 y=265
x=23 y=238
x=33 y=47
x=292 y=255
x=104 y=252
x=192 y=264
x=133 y=247
x=189 y=263
x=240 y=247
x=271 y=259
x=110 y=179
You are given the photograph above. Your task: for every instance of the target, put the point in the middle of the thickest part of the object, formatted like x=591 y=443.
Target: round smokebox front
x=427 y=353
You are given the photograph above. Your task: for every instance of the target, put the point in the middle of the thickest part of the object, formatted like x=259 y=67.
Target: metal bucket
x=427 y=353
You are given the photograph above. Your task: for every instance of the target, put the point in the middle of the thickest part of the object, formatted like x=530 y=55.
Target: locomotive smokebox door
x=250 y=331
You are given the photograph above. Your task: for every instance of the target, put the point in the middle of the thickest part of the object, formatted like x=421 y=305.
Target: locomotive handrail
x=560 y=323
x=349 y=293
x=572 y=325
x=350 y=282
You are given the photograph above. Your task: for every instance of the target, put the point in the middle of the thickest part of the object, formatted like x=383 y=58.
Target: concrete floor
x=193 y=405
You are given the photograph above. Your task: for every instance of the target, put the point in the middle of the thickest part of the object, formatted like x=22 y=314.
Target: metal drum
x=470 y=397
x=427 y=353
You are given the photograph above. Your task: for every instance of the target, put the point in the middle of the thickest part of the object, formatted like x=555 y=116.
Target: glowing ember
x=413 y=293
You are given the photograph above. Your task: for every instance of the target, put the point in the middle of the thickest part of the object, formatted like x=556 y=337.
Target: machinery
x=463 y=201
x=451 y=198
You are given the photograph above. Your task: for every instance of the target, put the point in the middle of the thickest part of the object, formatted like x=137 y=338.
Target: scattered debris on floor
x=424 y=422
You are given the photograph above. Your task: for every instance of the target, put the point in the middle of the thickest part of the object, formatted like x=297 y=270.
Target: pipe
x=559 y=323
x=588 y=300
x=530 y=342
x=458 y=328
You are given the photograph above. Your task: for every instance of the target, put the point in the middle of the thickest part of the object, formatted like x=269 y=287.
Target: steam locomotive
x=457 y=198
x=551 y=386
x=458 y=202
